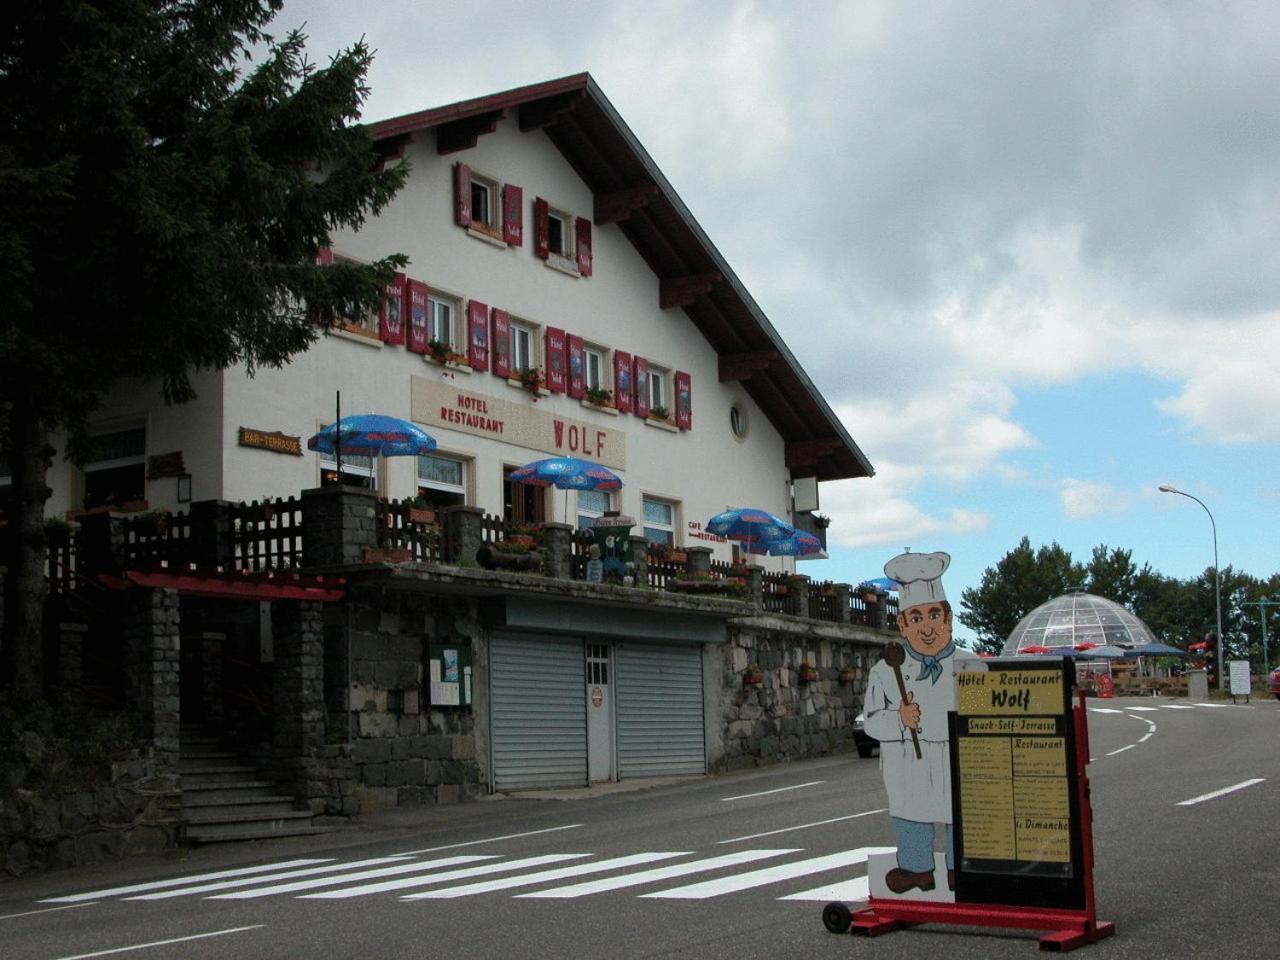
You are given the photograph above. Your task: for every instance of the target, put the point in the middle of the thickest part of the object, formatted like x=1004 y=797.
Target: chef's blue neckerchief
x=929 y=666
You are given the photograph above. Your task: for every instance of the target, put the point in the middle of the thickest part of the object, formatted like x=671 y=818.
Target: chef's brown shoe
x=900 y=881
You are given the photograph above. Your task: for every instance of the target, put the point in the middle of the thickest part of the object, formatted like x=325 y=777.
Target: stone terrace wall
x=784 y=718
x=403 y=758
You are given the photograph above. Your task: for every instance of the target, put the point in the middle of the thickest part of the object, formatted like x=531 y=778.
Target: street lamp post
x=1217 y=582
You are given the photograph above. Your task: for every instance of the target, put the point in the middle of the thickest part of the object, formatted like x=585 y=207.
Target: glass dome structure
x=1077 y=618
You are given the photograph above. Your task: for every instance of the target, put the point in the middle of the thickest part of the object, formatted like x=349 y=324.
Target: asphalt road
x=736 y=866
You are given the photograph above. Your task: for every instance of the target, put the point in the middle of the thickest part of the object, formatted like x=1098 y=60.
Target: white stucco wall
x=705 y=469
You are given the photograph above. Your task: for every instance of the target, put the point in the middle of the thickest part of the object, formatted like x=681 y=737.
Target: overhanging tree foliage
x=1020 y=582
x=161 y=215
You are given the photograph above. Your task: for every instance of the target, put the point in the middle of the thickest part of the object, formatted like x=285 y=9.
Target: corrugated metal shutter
x=538 y=715
x=658 y=693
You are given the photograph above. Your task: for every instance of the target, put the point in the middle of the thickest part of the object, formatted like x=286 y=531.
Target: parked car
x=1275 y=683
x=868 y=744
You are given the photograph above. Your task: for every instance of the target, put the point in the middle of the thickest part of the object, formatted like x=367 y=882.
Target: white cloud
x=1083 y=499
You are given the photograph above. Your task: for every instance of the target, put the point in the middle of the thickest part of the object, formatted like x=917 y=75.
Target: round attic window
x=738 y=422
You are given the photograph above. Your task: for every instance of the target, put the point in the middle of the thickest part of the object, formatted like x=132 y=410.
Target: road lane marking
x=1121 y=750
x=30 y=913
x=416 y=866
x=509 y=836
x=859 y=888
x=655 y=875
x=1221 y=793
x=758 y=878
x=1145 y=737
x=160 y=884
x=765 y=793
x=1176 y=706
x=164 y=943
x=1214 y=705
x=803 y=826
x=430 y=879
x=1104 y=710
x=1144 y=709
x=560 y=873
x=265 y=878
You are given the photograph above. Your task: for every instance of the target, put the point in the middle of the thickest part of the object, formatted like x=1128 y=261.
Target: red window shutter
x=584 y=246
x=576 y=353
x=324 y=256
x=557 y=375
x=500 y=330
x=622 y=381
x=415 y=299
x=391 y=312
x=641 y=368
x=478 y=335
x=462 y=194
x=513 y=215
x=684 y=401
x=541 y=228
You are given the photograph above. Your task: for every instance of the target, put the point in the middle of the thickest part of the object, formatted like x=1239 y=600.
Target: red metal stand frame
x=1071 y=928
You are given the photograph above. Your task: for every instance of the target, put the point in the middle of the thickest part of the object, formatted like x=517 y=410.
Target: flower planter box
x=808 y=674
x=675 y=556
x=494 y=559
x=848 y=676
x=421 y=515
x=387 y=554
x=752 y=678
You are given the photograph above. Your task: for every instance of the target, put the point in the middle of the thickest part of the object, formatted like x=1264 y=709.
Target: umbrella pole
x=337 y=433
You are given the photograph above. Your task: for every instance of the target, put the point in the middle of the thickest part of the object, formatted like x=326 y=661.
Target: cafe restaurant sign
x=434 y=403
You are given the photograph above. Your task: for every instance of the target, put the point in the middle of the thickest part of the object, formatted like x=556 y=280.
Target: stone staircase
x=226 y=799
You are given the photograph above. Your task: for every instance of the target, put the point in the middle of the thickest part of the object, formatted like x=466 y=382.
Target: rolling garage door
x=659 y=710
x=538 y=721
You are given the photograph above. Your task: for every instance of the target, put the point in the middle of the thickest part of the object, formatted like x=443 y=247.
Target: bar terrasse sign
x=522 y=424
x=275 y=441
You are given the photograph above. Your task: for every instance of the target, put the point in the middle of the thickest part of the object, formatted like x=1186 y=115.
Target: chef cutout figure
x=909 y=693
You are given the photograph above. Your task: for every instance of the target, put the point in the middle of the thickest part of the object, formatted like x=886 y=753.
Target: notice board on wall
x=1014 y=780
x=448 y=675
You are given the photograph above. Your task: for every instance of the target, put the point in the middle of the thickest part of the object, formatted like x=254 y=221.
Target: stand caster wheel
x=837 y=918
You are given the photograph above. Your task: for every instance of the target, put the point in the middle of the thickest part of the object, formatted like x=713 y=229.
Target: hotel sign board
x=1014 y=773
x=438 y=404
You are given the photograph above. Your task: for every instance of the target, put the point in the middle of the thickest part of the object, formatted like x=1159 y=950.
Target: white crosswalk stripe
x=655 y=875
x=849 y=891
x=430 y=879
x=180 y=881
x=542 y=876
x=188 y=891
x=416 y=866
x=758 y=878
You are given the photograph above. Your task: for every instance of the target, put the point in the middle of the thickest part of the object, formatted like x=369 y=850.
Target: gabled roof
x=631 y=191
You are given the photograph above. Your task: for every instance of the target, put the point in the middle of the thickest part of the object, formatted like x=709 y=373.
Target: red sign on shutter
x=415 y=306
x=462 y=194
x=541 y=228
x=684 y=401
x=577 y=366
x=557 y=377
x=478 y=335
x=513 y=215
x=500 y=330
x=391 y=313
x=584 y=246
x=641 y=368
x=622 y=381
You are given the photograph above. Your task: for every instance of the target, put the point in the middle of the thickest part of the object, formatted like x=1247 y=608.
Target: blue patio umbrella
x=887 y=584
x=372 y=435
x=754 y=527
x=567 y=473
x=799 y=544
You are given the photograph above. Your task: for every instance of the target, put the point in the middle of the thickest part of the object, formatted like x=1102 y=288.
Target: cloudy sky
x=1030 y=252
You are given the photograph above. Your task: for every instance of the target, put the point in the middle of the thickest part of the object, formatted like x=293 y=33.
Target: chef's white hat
x=920 y=576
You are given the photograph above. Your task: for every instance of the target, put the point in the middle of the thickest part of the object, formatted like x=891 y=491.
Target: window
x=560 y=234
x=442 y=313
x=659 y=521
x=595 y=368
x=115 y=470
x=591 y=504
x=484 y=196
x=738 y=422
x=658 y=389
x=442 y=481
x=522 y=503
x=524 y=355
x=357 y=471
